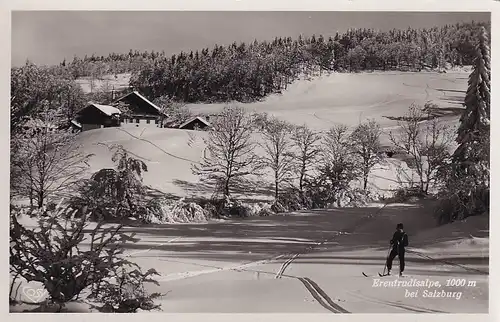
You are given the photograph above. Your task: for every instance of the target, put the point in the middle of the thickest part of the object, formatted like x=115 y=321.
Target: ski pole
x=386 y=258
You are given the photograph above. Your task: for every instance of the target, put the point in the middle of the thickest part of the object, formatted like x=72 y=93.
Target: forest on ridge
x=250 y=71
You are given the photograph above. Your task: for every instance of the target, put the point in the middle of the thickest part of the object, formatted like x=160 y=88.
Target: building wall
x=91 y=115
x=124 y=123
x=140 y=122
x=138 y=106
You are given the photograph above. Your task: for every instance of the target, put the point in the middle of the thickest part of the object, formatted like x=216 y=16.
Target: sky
x=47 y=37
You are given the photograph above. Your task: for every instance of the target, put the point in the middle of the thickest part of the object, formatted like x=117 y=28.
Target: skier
x=399 y=241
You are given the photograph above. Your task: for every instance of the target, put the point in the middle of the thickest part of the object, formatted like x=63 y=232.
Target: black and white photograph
x=250 y=161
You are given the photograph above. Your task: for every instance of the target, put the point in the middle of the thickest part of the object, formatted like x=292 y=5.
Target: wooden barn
x=141 y=111
x=195 y=123
x=96 y=116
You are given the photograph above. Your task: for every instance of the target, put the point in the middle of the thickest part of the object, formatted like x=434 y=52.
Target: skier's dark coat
x=399 y=241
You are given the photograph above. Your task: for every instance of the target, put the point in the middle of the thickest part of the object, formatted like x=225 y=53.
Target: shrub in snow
x=235 y=208
x=278 y=208
x=165 y=211
x=260 y=209
x=211 y=210
x=265 y=210
x=292 y=200
x=70 y=262
x=318 y=196
x=355 y=198
x=242 y=209
x=180 y=211
x=114 y=193
x=126 y=293
x=411 y=194
x=238 y=209
x=454 y=206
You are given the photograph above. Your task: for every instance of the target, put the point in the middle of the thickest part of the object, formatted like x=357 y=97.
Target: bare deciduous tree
x=365 y=141
x=306 y=143
x=102 y=94
x=277 y=145
x=174 y=113
x=230 y=149
x=126 y=112
x=33 y=88
x=337 y=168
x=426 y=140
x=46 y=161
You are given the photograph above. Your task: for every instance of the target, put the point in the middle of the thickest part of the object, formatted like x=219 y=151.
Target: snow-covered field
x=106 y=83
x=233 y=267
x=350 y=98
x=257 y=265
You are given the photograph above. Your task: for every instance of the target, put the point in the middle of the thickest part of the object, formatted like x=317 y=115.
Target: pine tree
x=466 y=190
x=474 y=130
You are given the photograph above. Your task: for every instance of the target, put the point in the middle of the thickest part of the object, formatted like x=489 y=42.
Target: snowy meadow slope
x=319 y=103
x=347 y=98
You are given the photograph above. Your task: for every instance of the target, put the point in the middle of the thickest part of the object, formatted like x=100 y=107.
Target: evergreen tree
x=467 y=186
x=474 y=131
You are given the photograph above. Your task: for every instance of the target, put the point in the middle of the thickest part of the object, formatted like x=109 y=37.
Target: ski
x=385 y=275
x=381 y=275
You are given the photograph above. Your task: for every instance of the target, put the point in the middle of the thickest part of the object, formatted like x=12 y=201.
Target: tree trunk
x=366 y=171
x=226 y=188
x=426 y=188
x=31 y=195
x=41 y=197
x=302 y=176
x=276 y=188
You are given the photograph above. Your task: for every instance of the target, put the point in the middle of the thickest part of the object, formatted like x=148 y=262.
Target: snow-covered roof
x=141 y=97
x=194 y=118
x=75 y=123
x=106 y=109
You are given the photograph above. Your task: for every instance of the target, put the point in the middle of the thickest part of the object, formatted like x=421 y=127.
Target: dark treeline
x=247 y=72
x=251 y=71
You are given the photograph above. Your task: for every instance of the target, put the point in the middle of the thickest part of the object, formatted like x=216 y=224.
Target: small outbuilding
x=195 y=123
x=96 y=116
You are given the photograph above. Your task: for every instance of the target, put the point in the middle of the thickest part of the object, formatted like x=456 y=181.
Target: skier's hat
x=399 y=226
